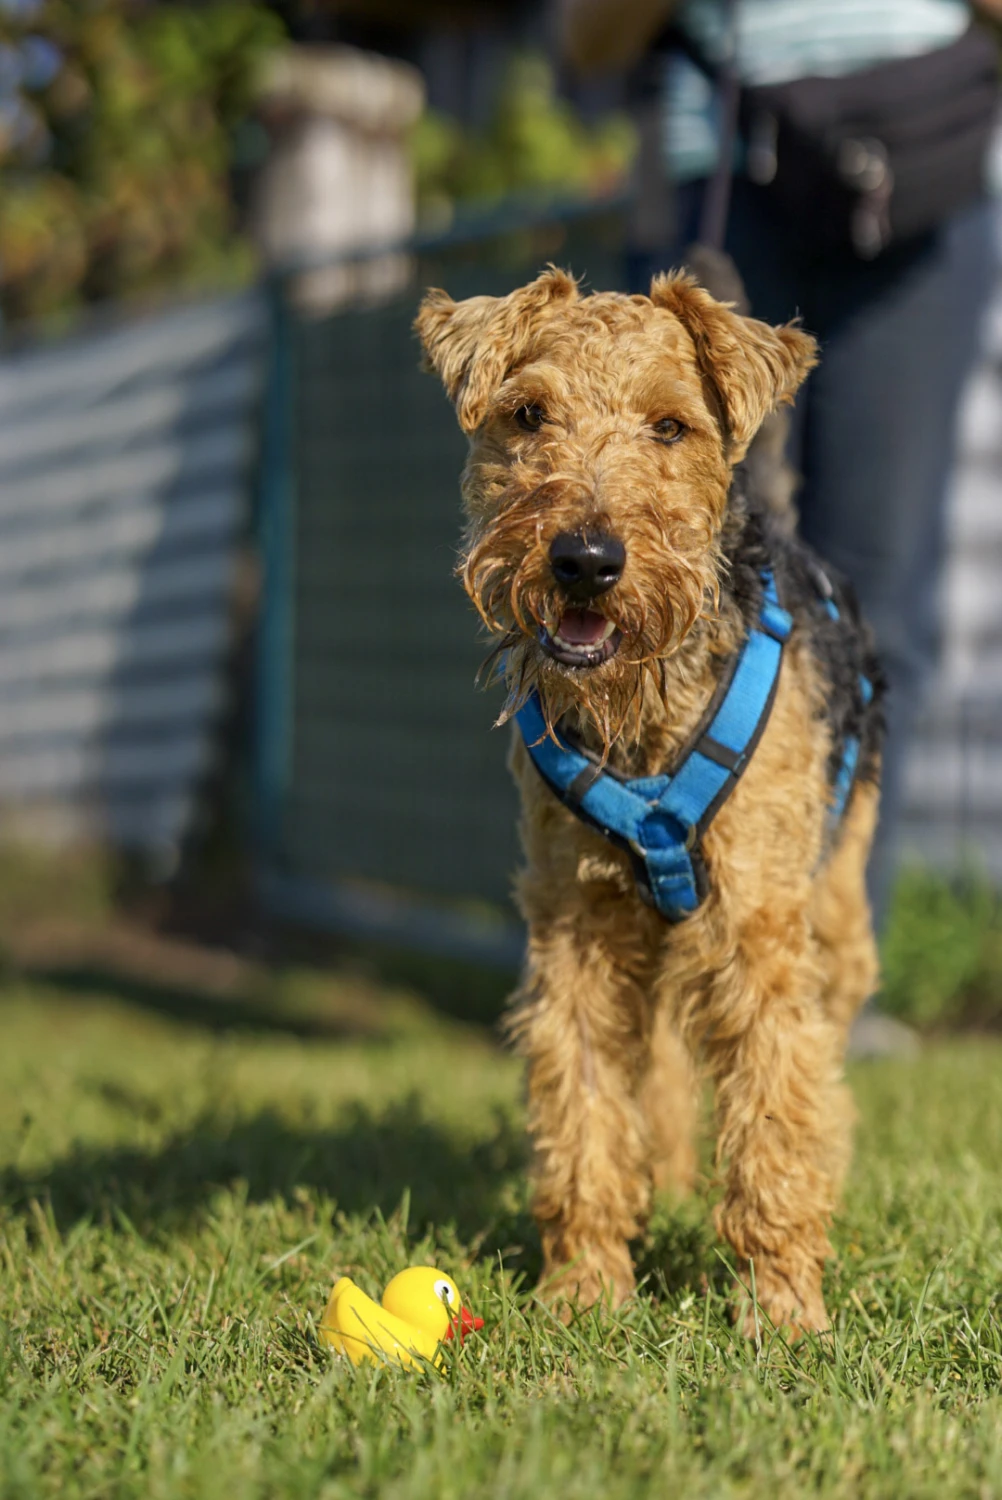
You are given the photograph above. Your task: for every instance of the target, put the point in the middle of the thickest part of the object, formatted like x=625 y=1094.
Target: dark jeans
x=874 y=426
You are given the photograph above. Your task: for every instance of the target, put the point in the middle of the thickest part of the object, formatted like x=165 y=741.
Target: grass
x=942 y=952
x=178 y=1196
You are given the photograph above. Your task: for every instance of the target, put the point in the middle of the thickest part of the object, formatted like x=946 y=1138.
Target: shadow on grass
x=367 y=1163
x=677 y=1254
x=367 y=1166
x=460 y=990
x=206 y=1009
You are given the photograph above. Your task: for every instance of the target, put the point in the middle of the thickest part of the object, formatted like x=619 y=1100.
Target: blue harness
x=660 y=820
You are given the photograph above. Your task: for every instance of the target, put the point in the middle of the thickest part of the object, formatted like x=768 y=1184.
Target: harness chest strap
x=660 y=820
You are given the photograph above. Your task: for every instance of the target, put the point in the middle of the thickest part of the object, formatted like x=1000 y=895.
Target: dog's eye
x=669 y=430
x=530 y=418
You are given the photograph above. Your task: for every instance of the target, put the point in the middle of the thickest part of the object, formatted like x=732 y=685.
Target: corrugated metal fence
x=126 y=457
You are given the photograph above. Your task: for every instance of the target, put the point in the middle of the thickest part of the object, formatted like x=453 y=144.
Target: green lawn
x=179 y=1194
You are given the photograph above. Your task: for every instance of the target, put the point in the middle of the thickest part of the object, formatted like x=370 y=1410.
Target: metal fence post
x=275 y=534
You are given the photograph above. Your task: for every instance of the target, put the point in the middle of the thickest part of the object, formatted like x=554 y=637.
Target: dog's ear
x=752 y=367
x=473 y=345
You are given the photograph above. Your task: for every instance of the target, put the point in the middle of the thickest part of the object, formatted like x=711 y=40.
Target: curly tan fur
x=761 y=983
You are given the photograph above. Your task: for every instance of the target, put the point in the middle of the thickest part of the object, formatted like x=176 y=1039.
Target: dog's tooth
x=585 y=648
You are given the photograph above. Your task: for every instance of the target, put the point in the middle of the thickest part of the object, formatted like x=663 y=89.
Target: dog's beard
x=670 y=581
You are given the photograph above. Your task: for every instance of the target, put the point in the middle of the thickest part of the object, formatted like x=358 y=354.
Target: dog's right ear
x=473 y=345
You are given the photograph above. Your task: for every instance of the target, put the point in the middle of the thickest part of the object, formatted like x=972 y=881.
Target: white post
x=338 y=178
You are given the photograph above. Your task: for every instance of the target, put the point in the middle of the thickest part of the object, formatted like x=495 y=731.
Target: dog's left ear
x=473 y=345
x=752 y=366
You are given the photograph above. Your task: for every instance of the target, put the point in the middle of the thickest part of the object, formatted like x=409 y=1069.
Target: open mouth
x=583 y=638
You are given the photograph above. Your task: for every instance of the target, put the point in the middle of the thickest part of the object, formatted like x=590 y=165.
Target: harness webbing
x=660 y=820
x=846 y=777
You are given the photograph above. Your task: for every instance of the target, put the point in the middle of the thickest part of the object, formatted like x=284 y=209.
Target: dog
x=616 y=550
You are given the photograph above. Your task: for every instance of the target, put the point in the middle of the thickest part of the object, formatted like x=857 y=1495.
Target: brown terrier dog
x=613 y=548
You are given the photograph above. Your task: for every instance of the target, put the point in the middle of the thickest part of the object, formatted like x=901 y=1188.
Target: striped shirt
x=779 y=40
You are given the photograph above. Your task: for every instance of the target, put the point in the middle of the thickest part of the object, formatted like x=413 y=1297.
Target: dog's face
x=602 y=434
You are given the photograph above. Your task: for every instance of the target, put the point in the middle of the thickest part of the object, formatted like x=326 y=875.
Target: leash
x=717 y=198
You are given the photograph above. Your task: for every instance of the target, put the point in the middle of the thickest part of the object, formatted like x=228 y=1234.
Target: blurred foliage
x=535 y=143
x=942 y=952
x=122 y=121
x=116 y=127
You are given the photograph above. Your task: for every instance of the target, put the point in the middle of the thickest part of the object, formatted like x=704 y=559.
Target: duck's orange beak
x=466 y=1323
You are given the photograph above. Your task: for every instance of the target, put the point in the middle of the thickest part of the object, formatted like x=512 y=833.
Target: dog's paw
x=574 y=1288
x=795 y=1306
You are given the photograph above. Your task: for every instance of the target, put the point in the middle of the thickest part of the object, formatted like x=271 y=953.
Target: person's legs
x=877 y=445
x=874 y=427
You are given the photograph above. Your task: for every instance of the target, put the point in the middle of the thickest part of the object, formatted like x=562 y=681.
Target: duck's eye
x=443 y=1290
x=669 y=430
x=530 y=418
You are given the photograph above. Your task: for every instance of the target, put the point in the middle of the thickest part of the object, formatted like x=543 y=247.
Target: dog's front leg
x=783 y=1117
x=581 y=1021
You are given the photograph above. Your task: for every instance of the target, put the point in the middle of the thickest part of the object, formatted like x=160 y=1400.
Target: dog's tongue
x=581 y=627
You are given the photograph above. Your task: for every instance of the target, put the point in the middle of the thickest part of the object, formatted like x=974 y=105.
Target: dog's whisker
x=492 y=664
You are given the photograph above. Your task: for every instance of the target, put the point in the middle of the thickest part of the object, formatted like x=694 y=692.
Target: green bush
x=942 y=952
x=121 y=123
x=535 y=144
x=114 y=168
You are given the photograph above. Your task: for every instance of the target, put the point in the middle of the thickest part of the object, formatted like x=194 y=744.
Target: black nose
x=585 y=564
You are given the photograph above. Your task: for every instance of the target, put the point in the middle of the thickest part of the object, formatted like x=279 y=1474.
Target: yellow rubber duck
x=420 y=1309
